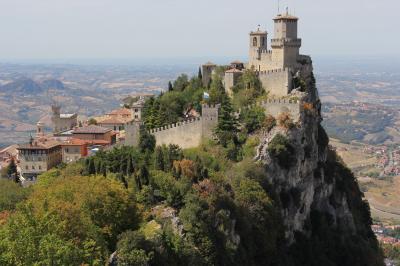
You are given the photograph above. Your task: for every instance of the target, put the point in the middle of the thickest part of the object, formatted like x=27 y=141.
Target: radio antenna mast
x=279 y=6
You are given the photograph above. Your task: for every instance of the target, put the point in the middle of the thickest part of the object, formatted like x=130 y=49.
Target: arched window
x=255 y=41
x=262 y=41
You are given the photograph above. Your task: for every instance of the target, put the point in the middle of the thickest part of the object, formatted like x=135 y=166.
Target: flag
x=206 y=95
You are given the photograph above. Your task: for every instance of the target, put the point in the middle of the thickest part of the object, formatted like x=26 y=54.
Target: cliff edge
x=322 y=207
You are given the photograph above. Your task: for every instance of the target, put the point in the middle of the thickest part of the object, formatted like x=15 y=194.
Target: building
x=8 y=153
x=285 y=46
x=38 y=156
x=73 y=150
x=277 y=66
x=96 y=135
x=62 y=122
x=133 y=127
x=137 y=109
x=114 y=123
x=122 y=113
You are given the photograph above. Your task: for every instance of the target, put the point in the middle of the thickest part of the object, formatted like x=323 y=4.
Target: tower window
x=255 y=41
x=262 y=41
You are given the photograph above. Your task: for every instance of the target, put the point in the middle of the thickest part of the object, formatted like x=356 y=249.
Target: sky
x=129 y=29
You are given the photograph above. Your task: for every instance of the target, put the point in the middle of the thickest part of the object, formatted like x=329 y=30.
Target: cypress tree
x=143 y=175
x=170 y=87
x=200 y=75
x=129 y=166
x=91 y=167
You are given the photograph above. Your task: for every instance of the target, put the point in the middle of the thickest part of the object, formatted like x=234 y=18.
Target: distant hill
x=52 y=84
x=29 y=86
x=22 y=85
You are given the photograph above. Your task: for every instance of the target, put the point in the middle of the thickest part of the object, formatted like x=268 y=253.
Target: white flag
x=206 y=95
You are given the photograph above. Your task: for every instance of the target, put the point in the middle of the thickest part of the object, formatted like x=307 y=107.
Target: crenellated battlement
x=266 y=51
x=280 y=101
x=175 y=125
x=285 y=42
x=212 y=106
x=278 y=70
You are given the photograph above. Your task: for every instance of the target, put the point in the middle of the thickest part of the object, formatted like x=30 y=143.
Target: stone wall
x=276 y=107
x=187 y=134
x=277 y=82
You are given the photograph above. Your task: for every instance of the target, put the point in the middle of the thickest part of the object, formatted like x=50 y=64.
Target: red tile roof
x=114 y=120
x=91 y=129
x=121 y=111
x=39 y=145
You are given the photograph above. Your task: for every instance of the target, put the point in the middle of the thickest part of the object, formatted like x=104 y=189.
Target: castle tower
x=209 y=118
x=137 y=110
x=207 y=71
x=55 y=118
x=258 y=44
x=286 y=44
x=39 y=130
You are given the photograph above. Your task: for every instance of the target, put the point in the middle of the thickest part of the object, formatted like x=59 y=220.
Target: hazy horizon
x=104 y=30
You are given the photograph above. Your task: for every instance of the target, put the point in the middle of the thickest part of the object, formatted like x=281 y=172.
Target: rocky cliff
x=323 y=210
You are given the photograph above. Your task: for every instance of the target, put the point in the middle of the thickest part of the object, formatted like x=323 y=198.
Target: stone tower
x=258 y=44
x=39 y=130
x=55 y=117
x=209 y=118
x=207 y=71
x=132 y=128
x=286 y=44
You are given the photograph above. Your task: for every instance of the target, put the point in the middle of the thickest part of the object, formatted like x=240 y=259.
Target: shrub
x=269 y=122
x=308 y=108
x=252 y=118
x=281 y=150
x=285 y=121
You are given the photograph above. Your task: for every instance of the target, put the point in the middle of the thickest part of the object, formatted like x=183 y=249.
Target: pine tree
x=227 y=126
x=170 y=88
x=200 y=75
x=227 y=122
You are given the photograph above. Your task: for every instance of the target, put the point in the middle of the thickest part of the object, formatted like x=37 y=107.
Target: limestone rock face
x=303 y=186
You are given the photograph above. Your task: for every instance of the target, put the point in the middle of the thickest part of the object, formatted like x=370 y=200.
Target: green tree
x=217 y=90
x=280 y=149
x=134 y=249
x=92 y=121
x=147 y=142
x=11 y=194
x=170 y=88
x=199 y=74
x=248 y=89
x=227 y=126
x=12 y=169
x=181 y=83
x=252 y=118
x=159 y=159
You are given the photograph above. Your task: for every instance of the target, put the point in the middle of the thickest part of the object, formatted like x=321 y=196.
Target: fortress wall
x=186 y=134
x=277 y=82
x=276 y=107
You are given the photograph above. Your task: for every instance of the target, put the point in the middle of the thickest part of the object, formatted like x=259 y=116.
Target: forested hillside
x=211 y=205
